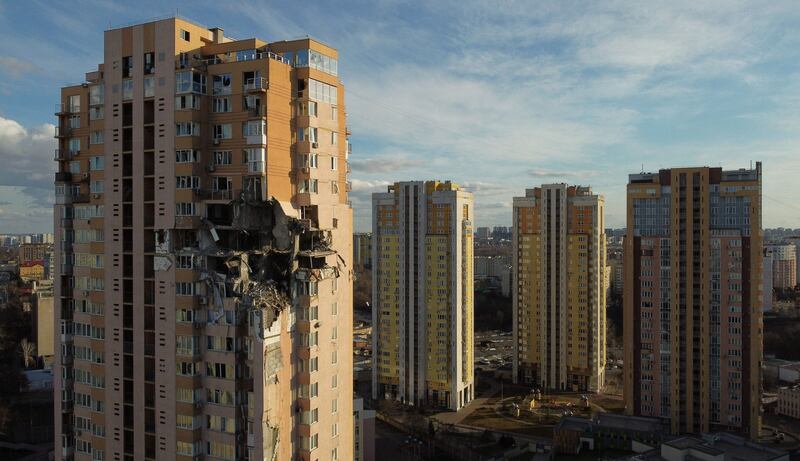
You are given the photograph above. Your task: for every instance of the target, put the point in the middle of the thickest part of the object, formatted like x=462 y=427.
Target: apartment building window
x=96 y=163
x=322 y=91
x=96 y=113
x=74 y=146
x=254 y=154
x=334 y=381
x=127 y=90
x=190 y=82
x=310 y=160
x=221 y=450
x=334 y=187
x=96 y=95
x=219 y=370
x=221 y=84
x=149 y=87
x=220 y=397
x=185 y=209
x=334 y=357
x=334 y=430
x=313 y=364
x=334 y=406
x=187 y=101
x=187 y=422
x=222 y=157
x=185 y=315
x=187 y=129
x=187 y=182
x=188 y=448
x=185 y=288
x=221 y=131
x=314 y=442
x=252 y=103
x=220 y=343
x=74 y=103
x=334 y=333
x=97 y=187
x=127 y=66
x=185 y=156
x=307 y=134
x=187 y=395
x=334 y=113
x=254 y=127
x=184 y=35
x=222 y=104
x=96 y=137
x=308 y=186
x=334 y=138
x=187 y=368
x=220 y=424
x=334 y=308
x=74 y=121
x=307 y=108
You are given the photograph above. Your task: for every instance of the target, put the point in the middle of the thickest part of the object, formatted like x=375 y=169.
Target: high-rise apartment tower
x=692 y=301
x=560 y=288
x=422 y=300
x=204 y=236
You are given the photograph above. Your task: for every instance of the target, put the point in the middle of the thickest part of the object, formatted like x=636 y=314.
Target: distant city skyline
x=494 y=99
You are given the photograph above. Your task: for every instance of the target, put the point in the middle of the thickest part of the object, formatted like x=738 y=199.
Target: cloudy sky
x=497 y=95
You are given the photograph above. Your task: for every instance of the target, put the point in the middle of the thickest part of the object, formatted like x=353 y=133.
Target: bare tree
x=28 y=352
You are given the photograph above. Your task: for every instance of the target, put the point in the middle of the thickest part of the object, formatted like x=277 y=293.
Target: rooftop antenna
x=642 y=167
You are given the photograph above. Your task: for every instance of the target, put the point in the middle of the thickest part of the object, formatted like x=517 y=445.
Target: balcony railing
x=244 y=57
x=61 y=154
x=63 y=131
x=63 y=108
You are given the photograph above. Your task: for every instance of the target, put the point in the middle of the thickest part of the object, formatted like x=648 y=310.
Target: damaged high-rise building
x=204 y=261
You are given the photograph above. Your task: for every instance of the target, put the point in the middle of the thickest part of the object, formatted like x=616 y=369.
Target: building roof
x=720 y=445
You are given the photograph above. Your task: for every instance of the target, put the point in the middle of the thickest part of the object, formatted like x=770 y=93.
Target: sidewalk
x=453 y=417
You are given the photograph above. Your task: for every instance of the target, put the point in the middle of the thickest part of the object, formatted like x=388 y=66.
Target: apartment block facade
x=362 y=250
x=693 y=299
x=422 y=295
x=784 y=265
x=203 y=251
x=560 y=288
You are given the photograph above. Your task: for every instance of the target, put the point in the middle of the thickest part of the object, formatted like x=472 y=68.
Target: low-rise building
x=789 y=401
x=33 y=251
x=572 y=434
x=32 y=270
x=43 y=321
x=364 y=432
x=712 y=447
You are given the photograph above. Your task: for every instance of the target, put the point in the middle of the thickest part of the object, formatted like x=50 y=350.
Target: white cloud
x=16 y=67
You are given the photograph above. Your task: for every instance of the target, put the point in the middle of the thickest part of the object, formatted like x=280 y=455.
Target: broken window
x=127 y=66
x=221 y=131
x=222 y=157
x=221 y=84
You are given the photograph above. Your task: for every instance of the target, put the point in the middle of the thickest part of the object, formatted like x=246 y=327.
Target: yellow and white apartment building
x=422 y=313
x=560 y=288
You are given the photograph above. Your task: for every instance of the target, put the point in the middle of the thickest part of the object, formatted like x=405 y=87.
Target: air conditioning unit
x=212 y=167
x=96 y=195
x=216 y=141
x=86 y=176
x=315 y=145
x=198 y=405
x=198 y=325
x=202 y=300
x=306 y=169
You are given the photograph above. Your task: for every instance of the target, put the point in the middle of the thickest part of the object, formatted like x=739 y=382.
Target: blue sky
x=498 y=96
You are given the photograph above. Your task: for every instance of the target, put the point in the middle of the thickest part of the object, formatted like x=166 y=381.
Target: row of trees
x=15 y=353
